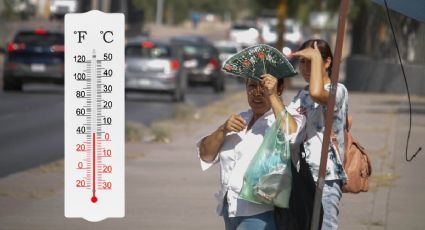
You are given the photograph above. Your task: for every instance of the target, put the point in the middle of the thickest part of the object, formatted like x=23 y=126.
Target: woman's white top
x=234 y=157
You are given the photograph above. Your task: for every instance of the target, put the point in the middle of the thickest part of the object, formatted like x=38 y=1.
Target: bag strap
x=348 y=122
x=347 y=128
x=279 y=118
x=278 y=123
x=288 y=151
x=286 y=123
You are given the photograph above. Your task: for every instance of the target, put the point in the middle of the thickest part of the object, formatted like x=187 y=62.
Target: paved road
x=32 y=122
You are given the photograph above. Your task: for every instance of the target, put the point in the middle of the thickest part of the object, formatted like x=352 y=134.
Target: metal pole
x=343 y=11
x=124 y=9
x=280 y=27
x=106 y=6
x=159 y=11
x=93 y=4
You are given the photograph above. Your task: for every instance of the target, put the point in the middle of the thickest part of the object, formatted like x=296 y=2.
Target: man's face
x=257 y=97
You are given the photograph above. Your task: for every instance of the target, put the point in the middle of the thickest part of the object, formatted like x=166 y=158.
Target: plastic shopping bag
x=268 y=177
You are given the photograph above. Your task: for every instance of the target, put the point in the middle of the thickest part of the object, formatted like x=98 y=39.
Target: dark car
x=201 y=60
x=34 y=56
x=154 y=67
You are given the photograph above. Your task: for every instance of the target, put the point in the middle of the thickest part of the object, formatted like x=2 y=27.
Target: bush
x=161 y=132
x=134 y=131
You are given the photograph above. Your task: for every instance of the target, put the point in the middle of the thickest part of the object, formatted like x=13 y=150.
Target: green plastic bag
x=268 y=177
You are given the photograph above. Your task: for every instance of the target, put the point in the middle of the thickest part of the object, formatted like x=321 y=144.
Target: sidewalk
x=395 y=200
x=165 y=188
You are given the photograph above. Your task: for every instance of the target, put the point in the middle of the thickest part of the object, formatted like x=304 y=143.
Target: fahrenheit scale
x=94 y=115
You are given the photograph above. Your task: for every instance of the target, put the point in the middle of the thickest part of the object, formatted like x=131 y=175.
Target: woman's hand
x=270 y=84
x=235 y=123
x=211 y=144
x=309 y=53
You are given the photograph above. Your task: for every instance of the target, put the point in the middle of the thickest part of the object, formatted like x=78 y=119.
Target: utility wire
x=407 y=88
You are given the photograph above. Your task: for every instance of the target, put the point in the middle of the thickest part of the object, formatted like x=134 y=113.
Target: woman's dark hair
x=324 y=49
x=280 y=83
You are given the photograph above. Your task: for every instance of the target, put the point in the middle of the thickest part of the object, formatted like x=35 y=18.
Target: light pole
x=159 y=11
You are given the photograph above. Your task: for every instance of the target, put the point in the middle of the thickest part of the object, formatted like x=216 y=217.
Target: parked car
x=34 y=56
x=154 y=67
x=246 y=34
x=293 y=36
x=24 y=8
x=58 y=8
x=201 y=60
x=226 y=49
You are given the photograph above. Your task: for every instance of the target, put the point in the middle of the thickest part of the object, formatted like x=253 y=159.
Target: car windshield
x=197 y=50
x=156 y=51
x=241 y=27
x=33 y=39
x=227 y=49
x=288 y=29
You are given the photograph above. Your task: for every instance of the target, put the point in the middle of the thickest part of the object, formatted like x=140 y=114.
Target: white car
x=58 y=8
x=292 y=34
x=244 y=34
x=226 y=49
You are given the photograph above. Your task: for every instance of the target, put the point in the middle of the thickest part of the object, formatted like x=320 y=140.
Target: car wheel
x=223 y=87
x=178 y=95
x=218 y=86
x=182 y=97
x=11 y=85
x=241 y=80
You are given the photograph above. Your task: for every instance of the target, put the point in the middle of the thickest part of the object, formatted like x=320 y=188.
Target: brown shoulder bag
x=356 y=162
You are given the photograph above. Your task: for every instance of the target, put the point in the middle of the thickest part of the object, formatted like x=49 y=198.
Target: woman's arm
x=279 y=107
x=318 y=75
x=270 y=83
x=317 y=83
x=211 y=144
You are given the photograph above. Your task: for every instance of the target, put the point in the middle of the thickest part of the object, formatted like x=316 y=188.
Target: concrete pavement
x=396 y=199
x=165 y=188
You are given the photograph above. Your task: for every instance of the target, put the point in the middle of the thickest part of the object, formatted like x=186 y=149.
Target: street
x=32 y=121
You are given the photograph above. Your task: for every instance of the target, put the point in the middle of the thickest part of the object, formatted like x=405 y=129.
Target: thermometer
x=94 y=115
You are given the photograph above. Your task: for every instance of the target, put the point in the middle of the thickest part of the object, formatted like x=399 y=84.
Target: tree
x=372 y=36
x=178 y=11
x=298 y=9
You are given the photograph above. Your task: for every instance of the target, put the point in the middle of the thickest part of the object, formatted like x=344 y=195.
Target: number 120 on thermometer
x=94 y=115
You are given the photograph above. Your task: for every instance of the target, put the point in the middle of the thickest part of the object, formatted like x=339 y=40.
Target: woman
x=235 y=143
x=315 y=66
